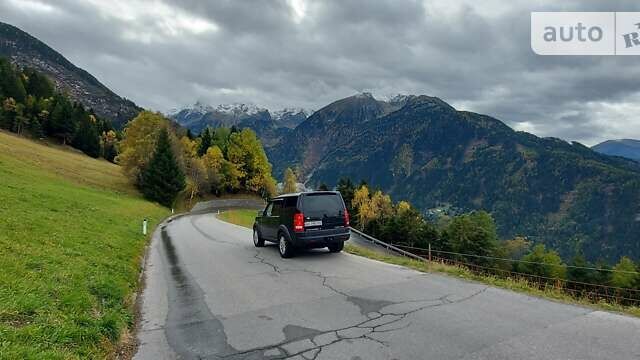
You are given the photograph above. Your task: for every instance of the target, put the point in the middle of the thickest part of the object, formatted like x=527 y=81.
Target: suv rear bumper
x=321 y=238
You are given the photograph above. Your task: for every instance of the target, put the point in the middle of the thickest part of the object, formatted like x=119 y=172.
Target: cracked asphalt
x=210 y=294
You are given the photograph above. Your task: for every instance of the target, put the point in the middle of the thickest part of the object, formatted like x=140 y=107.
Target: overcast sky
x=476 y=55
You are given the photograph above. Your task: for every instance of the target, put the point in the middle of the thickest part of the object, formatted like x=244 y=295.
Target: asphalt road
x=210 y=294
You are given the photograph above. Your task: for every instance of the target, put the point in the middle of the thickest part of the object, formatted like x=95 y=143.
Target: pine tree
x=87 y=138
x=37 y=85
x=205 y=142
x=346 y=188
x=10 y=82
x=62 y=123
x=162 y=179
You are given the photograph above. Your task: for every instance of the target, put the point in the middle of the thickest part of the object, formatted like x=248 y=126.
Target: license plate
x=313 y=223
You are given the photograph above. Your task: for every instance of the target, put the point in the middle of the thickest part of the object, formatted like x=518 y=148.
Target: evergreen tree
x=162 y=179
x=205 y=142
x=37 y=85
x=220 y=138
x=62 y=121
x=346 y=188
x=405 y=226
x=323 y=187
x=11 y=85
x=86 y=138
x=579 y=271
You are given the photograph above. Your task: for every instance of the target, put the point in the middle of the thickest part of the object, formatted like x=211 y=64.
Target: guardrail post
x=144 y=227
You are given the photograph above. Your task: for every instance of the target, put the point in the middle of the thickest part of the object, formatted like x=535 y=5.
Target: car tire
x=337 y=247
x=258 y=241
x=284 y=246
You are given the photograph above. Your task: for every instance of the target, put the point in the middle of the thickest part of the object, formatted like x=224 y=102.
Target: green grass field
x=242 y=217
x=70 y=251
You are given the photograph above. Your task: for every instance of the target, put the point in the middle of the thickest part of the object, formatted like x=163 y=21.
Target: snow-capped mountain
x=269 y=125
x=290 y=117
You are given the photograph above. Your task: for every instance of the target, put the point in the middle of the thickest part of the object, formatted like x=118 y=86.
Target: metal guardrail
x=388 y=246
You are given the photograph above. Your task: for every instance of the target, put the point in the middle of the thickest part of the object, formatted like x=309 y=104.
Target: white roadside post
x=144 y=227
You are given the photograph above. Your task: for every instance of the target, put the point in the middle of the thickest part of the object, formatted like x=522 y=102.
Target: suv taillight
x=346 y=217
x=298 y=222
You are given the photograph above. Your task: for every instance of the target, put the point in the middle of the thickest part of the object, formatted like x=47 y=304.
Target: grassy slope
x=70 y=247
x=239 y=217
x=242 y=217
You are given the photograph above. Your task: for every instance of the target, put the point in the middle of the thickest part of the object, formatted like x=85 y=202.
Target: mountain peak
x=240 y=108
x=627 y=148
x=364 y=94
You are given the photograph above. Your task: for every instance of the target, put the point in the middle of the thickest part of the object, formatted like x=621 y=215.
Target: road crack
x=262 y=260
x=361 y=330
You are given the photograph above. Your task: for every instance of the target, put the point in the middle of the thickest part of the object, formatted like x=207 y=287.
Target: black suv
x=304 y=221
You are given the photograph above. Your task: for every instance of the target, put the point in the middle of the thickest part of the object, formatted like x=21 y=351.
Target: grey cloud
x=475 y=55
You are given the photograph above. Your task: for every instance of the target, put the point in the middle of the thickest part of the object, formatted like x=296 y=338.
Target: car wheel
x=284 y=247
x=258 y=241
x=335 y=248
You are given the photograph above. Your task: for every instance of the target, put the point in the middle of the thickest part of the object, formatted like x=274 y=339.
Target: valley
x=422 y=150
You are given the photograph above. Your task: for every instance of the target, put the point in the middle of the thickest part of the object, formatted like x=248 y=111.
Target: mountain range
x=627 y=148
x=25 y=50
x=270 y=126
x=421 y=149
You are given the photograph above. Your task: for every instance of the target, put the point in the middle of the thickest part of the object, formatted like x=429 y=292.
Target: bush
x=540 y=262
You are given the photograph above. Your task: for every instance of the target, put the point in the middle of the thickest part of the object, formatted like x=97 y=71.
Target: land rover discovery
x=304 y=220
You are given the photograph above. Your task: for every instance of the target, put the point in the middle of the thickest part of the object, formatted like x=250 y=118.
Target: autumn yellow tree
x=108 y=141
x=289 y=182
x=403 y=207
x=214 y=162
x=381 y=206
x=246 y=154
x=195 y=171
x=138 y=144
x=362 y=204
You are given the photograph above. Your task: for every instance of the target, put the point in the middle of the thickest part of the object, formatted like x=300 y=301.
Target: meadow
x=70 y=252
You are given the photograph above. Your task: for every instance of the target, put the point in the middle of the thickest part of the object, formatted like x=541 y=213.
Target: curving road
x=210 y=294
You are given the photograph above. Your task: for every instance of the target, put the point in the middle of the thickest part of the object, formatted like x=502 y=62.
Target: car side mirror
x=260 y=212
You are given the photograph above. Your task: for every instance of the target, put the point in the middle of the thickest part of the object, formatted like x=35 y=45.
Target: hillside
x=421 y=149
x=25 y=50
x=70 y=247
x=627 y=148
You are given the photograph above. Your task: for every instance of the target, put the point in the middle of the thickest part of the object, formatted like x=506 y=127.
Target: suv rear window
x=290 y=202
x=320 y=205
